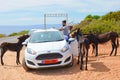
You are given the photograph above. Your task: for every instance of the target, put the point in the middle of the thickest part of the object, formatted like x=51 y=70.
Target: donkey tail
x=117 y=42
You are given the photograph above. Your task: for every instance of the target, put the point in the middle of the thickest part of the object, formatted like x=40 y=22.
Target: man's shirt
x=66 y=30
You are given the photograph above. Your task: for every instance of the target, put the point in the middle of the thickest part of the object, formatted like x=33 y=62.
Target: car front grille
x=41 y=64
x=48 y=56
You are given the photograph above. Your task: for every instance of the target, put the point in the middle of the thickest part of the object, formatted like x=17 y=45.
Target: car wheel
x=25 y=66
x=72 y=62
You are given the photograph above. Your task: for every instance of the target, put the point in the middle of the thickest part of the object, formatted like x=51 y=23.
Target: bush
x=13 y=34
x=2 y=35
x=99 y=26
x=23 y=32
x=19 y=33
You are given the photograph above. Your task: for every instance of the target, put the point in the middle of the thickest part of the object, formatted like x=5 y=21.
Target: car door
x=74 y=47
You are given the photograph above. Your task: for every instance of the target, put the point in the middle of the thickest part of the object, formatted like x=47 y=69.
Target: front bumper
x=32 y=62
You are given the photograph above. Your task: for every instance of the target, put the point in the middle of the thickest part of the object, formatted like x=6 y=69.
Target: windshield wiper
x=60 y=40
x=48 y=41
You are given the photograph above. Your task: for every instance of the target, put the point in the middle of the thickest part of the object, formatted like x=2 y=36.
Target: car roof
x=42 y=30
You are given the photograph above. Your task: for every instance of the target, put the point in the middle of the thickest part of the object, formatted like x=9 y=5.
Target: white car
x=47 y=48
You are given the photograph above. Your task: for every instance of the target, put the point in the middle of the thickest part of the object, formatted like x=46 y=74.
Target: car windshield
x=46 y=36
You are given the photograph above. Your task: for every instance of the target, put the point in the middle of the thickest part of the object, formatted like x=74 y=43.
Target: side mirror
x=71 y=40
x=25 y=42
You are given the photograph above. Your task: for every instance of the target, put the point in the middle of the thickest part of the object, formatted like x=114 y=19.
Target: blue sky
x=30 y=12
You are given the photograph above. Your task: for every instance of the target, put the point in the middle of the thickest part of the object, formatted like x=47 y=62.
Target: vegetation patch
x=2 y=35
x=19 y=33
x=100 y=24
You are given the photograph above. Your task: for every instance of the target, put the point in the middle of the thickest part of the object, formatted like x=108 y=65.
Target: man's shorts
x=66 y=38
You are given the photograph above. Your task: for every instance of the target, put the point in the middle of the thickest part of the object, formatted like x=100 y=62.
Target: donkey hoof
x=110 y=54
x=86 y=69
x=17 y=63
x=80 y=68
x=2 y=64
x=96 y=55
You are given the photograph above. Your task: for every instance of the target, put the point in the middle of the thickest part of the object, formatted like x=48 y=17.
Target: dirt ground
x=103 y=67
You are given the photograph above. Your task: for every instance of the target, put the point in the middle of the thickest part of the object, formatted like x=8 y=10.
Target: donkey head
x=23 y=38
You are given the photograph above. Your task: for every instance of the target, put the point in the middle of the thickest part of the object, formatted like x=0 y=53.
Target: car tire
x=71 y=63
x=25 y=66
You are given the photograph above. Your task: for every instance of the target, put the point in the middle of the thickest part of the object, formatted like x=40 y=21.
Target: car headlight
x=65 y=48
x=30 y=51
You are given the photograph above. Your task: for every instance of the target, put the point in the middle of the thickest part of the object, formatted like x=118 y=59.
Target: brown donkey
x=113 y=37
x=13 y=47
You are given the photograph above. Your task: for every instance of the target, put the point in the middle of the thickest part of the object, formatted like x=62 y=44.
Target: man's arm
x=62 y=28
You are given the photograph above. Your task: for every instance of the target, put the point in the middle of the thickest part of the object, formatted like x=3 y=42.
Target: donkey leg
x=112 y=49
x=115 y=50
x=17 y=58
x=78 y=59
x=81 y=62
x=2 y=54
x=79 y=54
x=83 y=52
x=86 y=58
x=81 y=57
x=93 y=46
x=96 y=50
x=2 y=58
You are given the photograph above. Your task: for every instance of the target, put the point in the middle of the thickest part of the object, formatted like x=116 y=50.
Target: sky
x=31 y=12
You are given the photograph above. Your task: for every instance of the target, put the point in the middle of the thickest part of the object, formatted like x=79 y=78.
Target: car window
x=47 y=36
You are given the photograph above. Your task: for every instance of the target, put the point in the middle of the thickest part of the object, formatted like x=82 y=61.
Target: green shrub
x=2 y=35
x=23 y=32
x=19 y=33
x=99 y=26
x=13 y=34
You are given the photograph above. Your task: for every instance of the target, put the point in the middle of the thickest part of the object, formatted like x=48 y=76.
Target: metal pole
x=54 y=15
x=44 y=21
x=67 y=18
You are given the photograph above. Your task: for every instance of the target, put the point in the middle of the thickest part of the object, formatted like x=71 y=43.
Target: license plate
x=50 y=61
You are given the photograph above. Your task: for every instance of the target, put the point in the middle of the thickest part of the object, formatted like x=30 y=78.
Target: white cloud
x=82 y=5
x=28 y=11
x=7 y=5
x=24 y=19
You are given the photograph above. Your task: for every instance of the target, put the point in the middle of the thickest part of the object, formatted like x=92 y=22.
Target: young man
x=65 y=30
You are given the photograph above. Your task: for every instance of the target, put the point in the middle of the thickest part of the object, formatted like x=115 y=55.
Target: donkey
x=13 y=47
x=103 y=38
x=83 y=44
x=83 y=51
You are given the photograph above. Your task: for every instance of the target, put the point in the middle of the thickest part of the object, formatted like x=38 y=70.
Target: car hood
x=47 y=46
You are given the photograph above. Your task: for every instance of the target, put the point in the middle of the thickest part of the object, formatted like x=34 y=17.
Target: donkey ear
x=19 y=37
x=78 y=29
